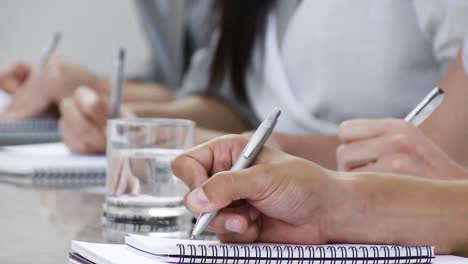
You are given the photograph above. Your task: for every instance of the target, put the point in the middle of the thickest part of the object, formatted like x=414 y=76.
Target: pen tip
x=276 y=112
x=192 y=237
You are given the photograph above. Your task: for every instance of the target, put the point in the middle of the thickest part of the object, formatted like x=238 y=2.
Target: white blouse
x=341 y=59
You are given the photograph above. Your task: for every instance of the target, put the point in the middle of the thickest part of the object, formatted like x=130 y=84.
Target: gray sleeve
x=163 y=24
x=197 y=79
x=445 y=24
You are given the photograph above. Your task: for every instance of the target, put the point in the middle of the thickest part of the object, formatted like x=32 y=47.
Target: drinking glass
x=143 y=196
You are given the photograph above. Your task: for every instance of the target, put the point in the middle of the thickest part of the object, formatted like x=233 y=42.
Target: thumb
x=91 y=105
x=226 y=187
x=14 y=76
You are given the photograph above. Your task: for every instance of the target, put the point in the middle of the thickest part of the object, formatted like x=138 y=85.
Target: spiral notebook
x=40 y=130
x=146 y=249
x=50 y=165
x=194 y=251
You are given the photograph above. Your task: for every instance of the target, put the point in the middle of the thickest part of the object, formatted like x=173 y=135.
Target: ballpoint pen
x=425 y=108
x=117 y=84
x=50 y=48
x=248 y=154
x=46 y=54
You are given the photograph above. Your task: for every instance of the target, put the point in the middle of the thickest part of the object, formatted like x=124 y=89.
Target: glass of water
x=143 y=196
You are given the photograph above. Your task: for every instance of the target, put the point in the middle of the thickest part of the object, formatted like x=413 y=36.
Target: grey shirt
x=175 y=29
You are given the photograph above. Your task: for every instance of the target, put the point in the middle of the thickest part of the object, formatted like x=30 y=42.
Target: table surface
x=37 y=225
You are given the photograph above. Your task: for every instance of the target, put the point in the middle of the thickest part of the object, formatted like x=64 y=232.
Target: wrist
x=343 y=205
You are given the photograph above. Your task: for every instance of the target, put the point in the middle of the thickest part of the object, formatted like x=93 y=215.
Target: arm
x=147 y=93
x=447 y=125
x=205 y=111
x=291 y=200
x=404 y=210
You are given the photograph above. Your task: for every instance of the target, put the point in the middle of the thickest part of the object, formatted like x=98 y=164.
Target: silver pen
x=425 y=108
x=247 y=156
x=117 y=84
x=50 y=48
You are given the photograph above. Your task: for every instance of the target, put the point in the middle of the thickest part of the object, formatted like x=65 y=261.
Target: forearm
x=206 y=112
x=135 y=92
x=317 y=148
x=445 y=125
x=404 y=211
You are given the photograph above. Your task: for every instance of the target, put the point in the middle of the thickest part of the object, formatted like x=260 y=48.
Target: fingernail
x=233 y=225
x=198 y=198
x=86 y=95
x=254 y=213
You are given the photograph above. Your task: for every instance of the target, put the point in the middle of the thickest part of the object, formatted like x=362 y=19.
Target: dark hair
x=240 y=23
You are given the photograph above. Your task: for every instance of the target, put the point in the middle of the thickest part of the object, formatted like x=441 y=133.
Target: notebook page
x=5 y=99
x=49 y=149
x=446 y=259
x=194 y=251
x=109 y=253
x=26 y=159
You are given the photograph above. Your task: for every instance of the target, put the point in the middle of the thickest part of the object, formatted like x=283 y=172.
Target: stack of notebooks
x=40 y=130
x=151 y=250
x=50 y=165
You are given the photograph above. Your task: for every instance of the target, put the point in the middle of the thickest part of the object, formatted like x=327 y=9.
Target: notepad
x=39 y=130
x=147 y=249
x=50 y=165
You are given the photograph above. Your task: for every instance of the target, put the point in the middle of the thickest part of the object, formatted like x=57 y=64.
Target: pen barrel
x=117 y=84
x=202 y=223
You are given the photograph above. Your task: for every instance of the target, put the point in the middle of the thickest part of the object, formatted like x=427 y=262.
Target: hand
x=14 y=75
x=83 y=121
x=39 y=91
x=285 y=199
x=393 y=146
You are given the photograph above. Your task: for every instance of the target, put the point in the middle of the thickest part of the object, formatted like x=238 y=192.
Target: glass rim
x=138 y=121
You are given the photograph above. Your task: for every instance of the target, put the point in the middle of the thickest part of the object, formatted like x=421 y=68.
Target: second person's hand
x=83 y=121
x=393 y=146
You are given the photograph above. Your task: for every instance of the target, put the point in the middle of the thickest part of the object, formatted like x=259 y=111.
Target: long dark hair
x=240 y=23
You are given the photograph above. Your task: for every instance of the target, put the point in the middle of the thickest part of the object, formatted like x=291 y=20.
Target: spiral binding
x=69 y=177
x=296 y=254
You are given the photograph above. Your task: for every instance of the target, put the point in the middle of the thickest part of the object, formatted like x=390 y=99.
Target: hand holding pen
x=278 y=197
x=84 y=115
x=16 y=74
x=244 y=160
x=396 y=145
x=20 y=75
